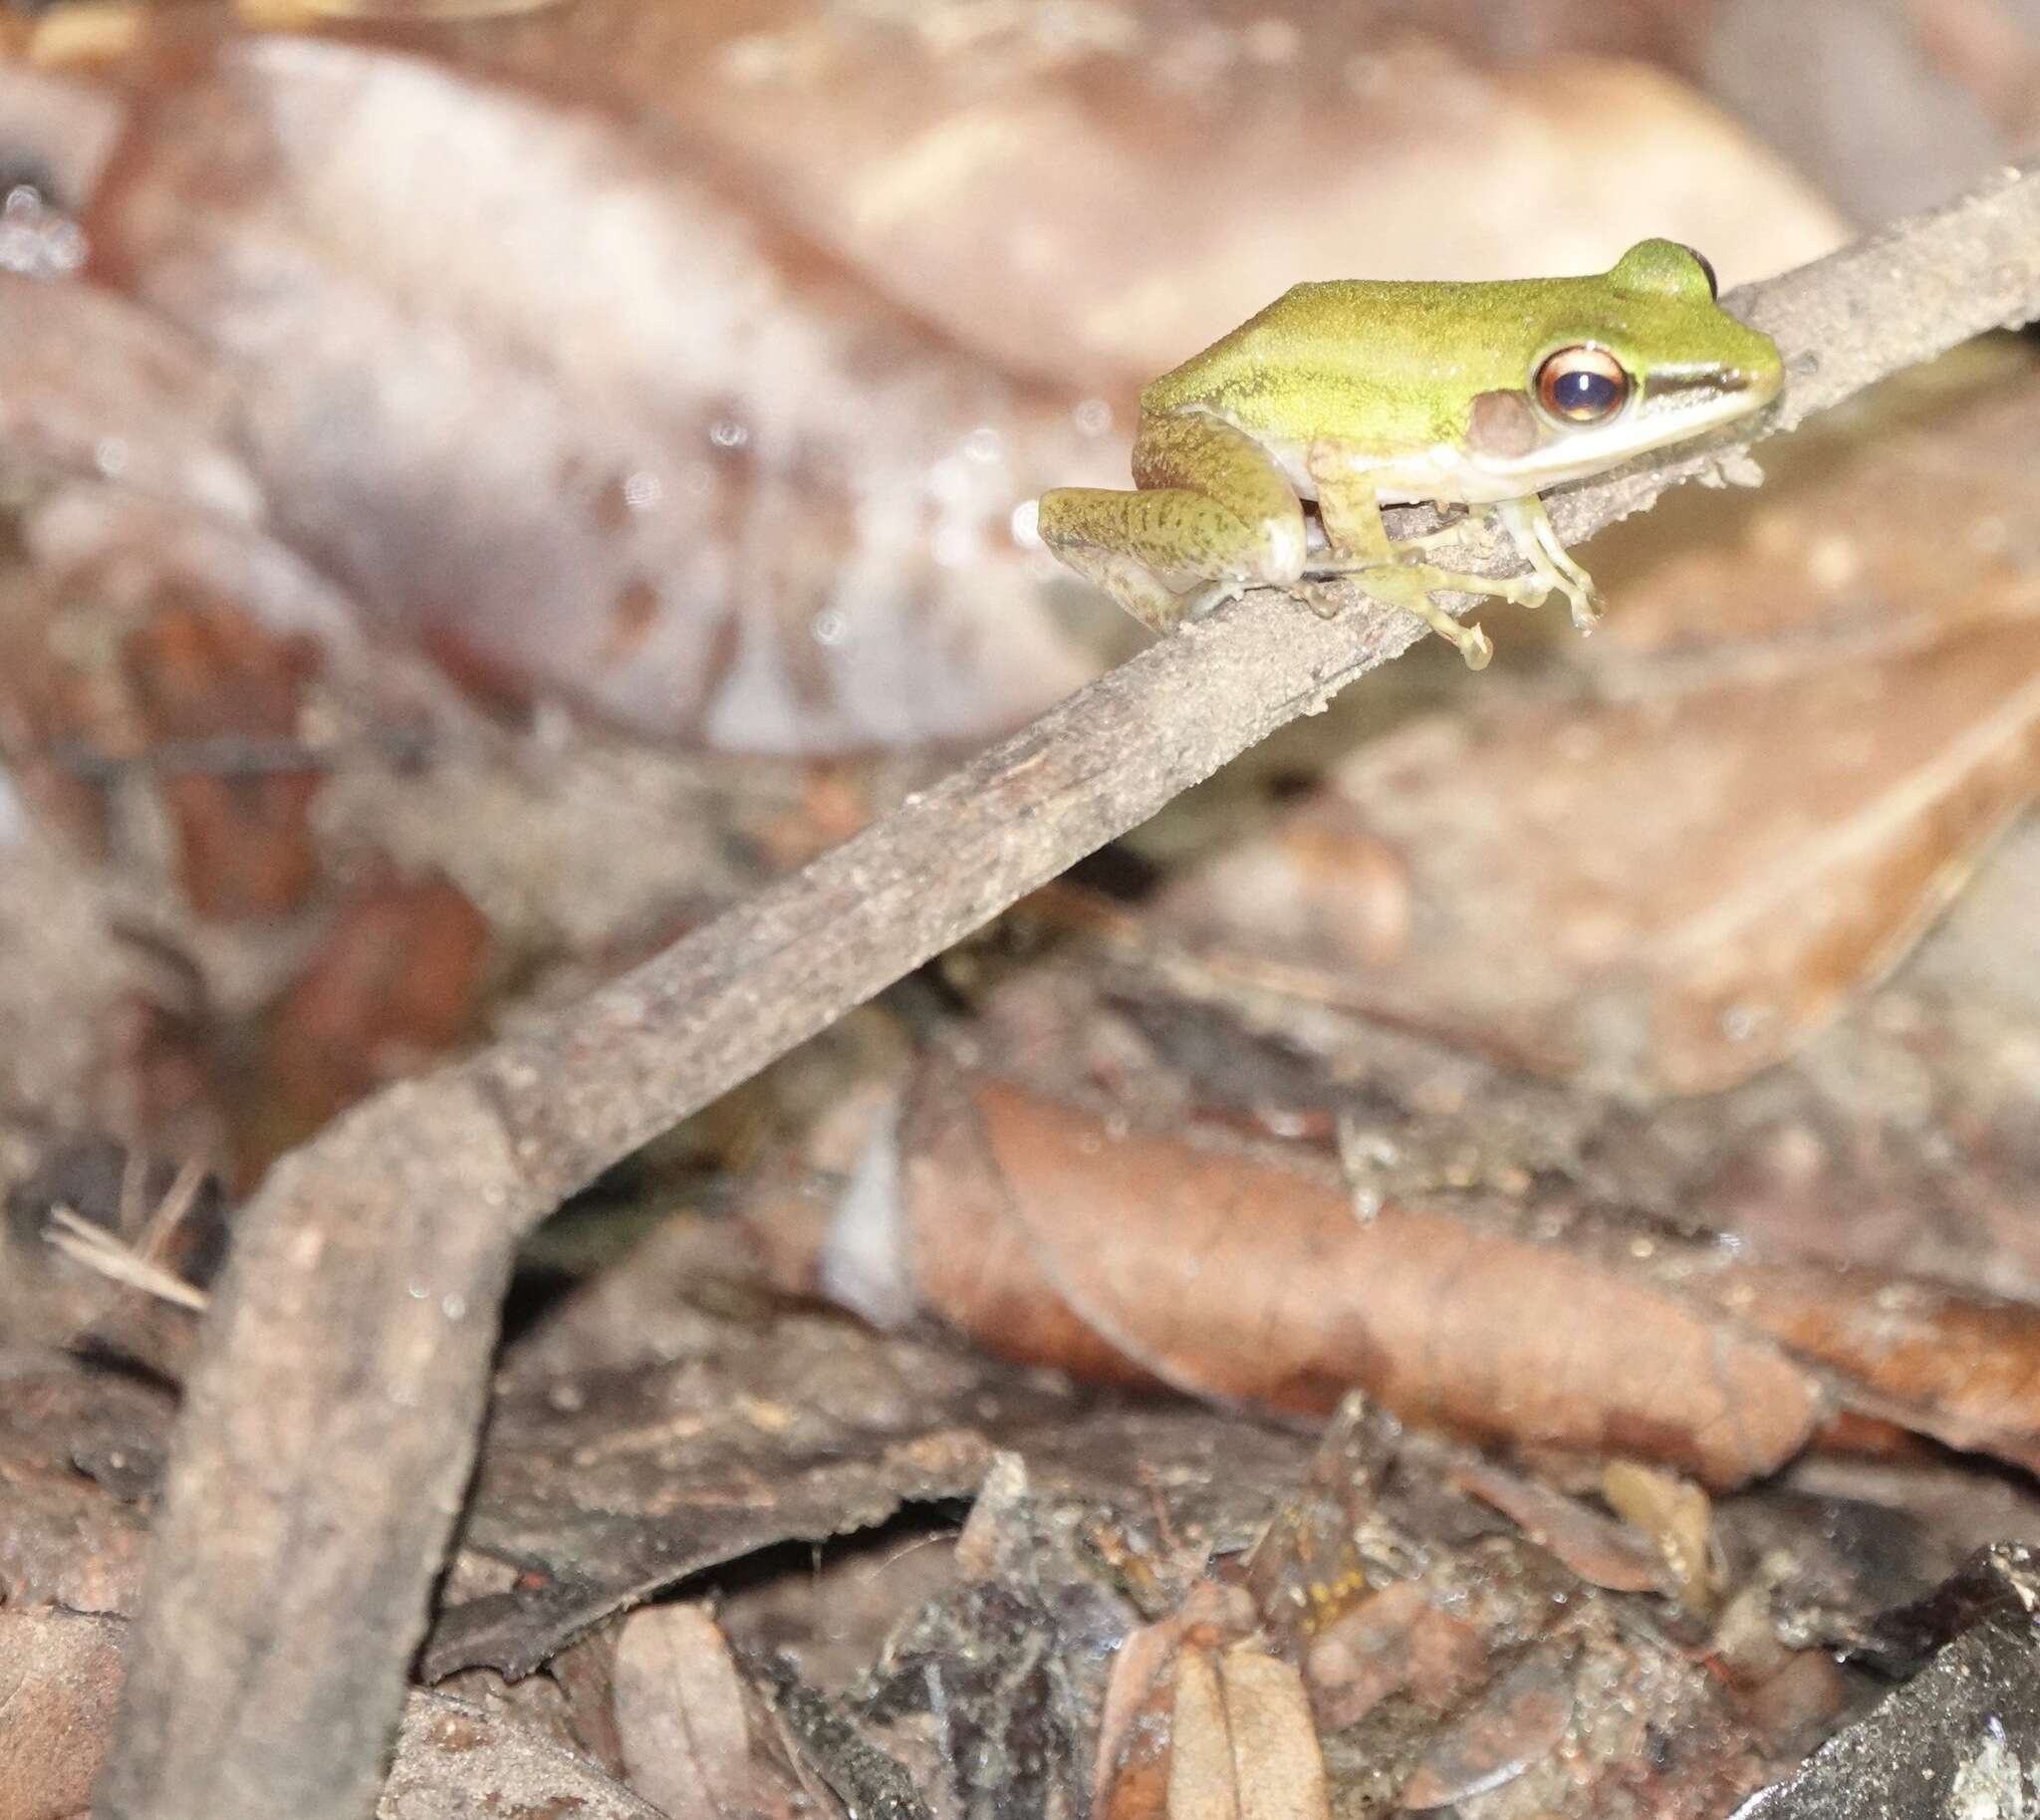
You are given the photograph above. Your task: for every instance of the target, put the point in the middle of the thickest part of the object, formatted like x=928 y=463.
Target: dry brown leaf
x=1671 y=892
x=1038 y=1227
x=1022 y=173
x=1059 y=1235
x=1134 y=1761
x=1959 y=1367
x=757 y=1423
x=1202 y=1783
x=843 y=572
x=1112 y=147
x=60 y=1682
x=1602 y=1553
x=397 y=981
x=1225 y=1735
x=1276 y=1764
x=1136 y=1771
x=579 y=424
x=1816 y=565
x=684 y=1721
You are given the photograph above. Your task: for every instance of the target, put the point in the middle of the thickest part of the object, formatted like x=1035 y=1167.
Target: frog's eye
x=1582 y=385
x=1707 y=266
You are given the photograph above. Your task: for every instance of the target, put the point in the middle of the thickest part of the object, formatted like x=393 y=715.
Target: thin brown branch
x=330 y=1423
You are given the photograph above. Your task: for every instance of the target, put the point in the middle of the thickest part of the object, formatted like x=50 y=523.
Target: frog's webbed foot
x=1409 y=586
x=1390 y=584
x=1536 y=539
x=1323 y=600
x=1395 y=574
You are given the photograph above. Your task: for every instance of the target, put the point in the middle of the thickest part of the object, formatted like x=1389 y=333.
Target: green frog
x=1357 y=394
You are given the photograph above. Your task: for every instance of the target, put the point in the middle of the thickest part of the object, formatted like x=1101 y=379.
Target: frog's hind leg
x=1211 y=504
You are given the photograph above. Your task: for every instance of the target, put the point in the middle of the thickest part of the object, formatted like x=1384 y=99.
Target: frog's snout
x=1761 y=383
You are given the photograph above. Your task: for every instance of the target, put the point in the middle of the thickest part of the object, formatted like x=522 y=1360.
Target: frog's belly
x=1439 y=475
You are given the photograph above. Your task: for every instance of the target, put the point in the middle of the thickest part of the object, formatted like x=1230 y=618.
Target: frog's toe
x=1585 y=609
x=1524 y=590
x=1475 y=646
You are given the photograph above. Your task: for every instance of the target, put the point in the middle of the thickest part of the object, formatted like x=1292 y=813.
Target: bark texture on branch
x=332 y=1421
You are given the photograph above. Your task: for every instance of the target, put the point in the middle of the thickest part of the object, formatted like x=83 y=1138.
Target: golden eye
x=1582 y=385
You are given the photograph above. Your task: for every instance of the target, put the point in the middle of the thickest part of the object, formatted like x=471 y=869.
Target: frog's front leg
x=1536 y=538
x=1350 y=512
x=1212 y=505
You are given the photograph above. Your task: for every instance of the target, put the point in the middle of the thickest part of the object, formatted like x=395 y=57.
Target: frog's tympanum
x=1358 y=394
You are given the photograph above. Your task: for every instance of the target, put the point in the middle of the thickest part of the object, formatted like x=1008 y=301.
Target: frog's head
x=1639 y=357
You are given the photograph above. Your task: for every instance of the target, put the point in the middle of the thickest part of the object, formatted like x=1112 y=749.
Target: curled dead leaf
x=1051 y=1235
x=1057 y=1234
x=1602 y=1553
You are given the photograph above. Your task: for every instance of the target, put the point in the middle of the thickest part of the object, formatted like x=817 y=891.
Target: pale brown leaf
x=566 y=417
x=1599 y=1553
x=1277 y=1767
x=1202 y=1781
x=1678 y=1518
x=685 y=1720
x=1026 y=175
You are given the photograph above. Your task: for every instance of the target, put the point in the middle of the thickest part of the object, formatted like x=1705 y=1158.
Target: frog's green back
x=1386 y=360
x=1397 y=365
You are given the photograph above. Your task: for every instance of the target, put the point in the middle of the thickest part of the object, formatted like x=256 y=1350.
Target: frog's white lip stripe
x=1684 y=411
